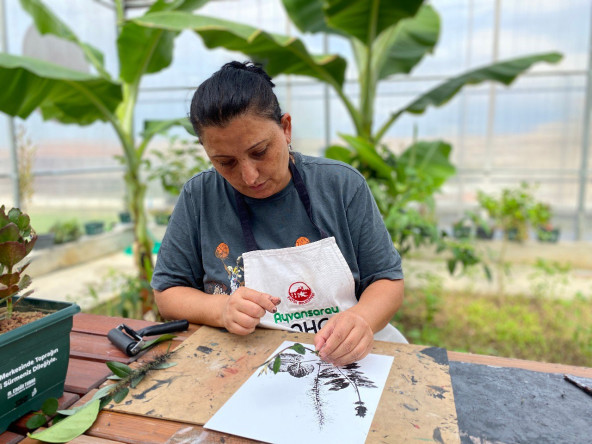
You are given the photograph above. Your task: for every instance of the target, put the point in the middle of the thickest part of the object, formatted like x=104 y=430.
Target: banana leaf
x=502 y=72
x=47 y=23
x=61 y=93
x=153 y=127
x=367 y=154
x=429 y=161
x=339 y=152
x=281 y=54
x=400 y=48
x=308 y=16
x=143 y=50
x=366 y=19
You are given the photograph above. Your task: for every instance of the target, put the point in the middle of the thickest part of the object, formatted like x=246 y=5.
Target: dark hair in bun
x=236 y=89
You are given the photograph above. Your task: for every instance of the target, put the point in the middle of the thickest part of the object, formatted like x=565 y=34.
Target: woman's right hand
x=245 y=307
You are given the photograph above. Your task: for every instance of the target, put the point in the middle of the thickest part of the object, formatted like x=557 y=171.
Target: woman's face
x=251 y=153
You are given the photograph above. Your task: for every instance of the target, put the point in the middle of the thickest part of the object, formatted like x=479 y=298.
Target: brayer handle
x=122 y=341
x=167 y=327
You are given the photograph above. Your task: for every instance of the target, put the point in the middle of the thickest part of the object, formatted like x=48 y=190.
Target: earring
x=289 y=146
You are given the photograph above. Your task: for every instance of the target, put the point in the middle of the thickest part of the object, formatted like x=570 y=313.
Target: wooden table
x=90 y=349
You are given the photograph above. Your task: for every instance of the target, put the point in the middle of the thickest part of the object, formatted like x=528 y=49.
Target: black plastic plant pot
x=482 y=233
x=548 y=235
x=125 y=217
x=34 y=359
x=91 y=228
x=461 y=232
x=162 y=218
x=513 y=235
x=45 y=240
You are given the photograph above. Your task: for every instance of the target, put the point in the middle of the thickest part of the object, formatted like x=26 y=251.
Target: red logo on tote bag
x=300 y=293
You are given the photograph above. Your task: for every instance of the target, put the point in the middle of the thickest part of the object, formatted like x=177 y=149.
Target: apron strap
x=245 y=219
x=304 y=197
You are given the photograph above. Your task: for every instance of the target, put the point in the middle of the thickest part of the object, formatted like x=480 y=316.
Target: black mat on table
x=508 y=405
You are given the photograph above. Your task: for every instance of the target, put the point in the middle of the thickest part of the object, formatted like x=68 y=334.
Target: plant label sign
x=305 y=399
x=17 y=379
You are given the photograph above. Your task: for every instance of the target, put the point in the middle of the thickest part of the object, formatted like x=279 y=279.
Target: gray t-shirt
x=203 y=244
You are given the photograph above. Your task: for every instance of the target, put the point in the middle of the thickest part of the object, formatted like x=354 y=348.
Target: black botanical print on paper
x=326 y=377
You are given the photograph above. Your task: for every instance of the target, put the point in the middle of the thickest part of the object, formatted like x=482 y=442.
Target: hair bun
x=255 y=68
x=234 y=90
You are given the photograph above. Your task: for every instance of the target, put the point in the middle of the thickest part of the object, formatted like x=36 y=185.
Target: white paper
x=306 y=401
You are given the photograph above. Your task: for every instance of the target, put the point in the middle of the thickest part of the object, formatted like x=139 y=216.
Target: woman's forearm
x=191 y=304
x=379 y=302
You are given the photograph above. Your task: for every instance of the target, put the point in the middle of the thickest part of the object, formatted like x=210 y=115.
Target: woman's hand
x=345 y=338
x=244 y=308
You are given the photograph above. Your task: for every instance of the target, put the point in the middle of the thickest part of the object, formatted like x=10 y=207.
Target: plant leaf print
x=327 y=378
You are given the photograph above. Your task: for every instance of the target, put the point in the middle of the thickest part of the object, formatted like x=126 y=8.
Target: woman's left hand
x=345 y=338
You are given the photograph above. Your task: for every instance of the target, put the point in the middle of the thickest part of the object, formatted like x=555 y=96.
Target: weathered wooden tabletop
x=90 y=349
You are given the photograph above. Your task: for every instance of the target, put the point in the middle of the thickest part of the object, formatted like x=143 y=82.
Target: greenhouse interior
x=469 y=121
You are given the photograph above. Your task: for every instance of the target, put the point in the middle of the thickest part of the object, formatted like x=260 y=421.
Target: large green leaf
x=503 y=72
x=368 y=155
x=366 y=19
x=340 y=153
x=10 y=279
x=308 y=16
x=47 y=23
x=281 y=54
x=72 y=426
x=429 y=161
x=400 y=48
x=143 y=50
x=12 y=253
x=153 y=127
x=9 y=233
x=61 y=93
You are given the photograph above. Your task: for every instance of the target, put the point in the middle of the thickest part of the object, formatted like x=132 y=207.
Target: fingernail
x=274 y=300
x=274 y=310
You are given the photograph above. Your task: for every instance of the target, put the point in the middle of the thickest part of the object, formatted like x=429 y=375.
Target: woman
x=274 y=238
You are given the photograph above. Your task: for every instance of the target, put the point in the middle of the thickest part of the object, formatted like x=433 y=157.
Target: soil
x=18 y=319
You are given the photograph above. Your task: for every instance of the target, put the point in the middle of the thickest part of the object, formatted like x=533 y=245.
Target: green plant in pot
x=34 y=334
x=94 y=227
x=176 y=164
x=462 y=229
x=514 y=211
x=17 y=239
x=66 y=231
x=172 y=166
x=540 y=217
x=472 y=224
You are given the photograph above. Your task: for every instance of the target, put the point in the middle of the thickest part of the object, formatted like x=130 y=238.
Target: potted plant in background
x=462 y=229
x=67 y=231
x=515 y=211
x=34 y=333
x=162 y=217
x=484 y=231
x=125 y=217
x=548 y=233
x=472 y=224
x=540 y=215
x=94 y=227
x=172 y=167
x=45 y=240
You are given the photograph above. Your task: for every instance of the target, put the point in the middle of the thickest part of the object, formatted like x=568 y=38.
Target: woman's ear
x=286 y=123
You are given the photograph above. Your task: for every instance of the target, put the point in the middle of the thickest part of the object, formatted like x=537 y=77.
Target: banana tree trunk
x=142 y=248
